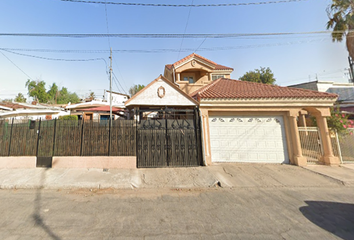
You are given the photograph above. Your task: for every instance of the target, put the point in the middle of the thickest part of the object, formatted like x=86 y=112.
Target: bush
x=68 y=117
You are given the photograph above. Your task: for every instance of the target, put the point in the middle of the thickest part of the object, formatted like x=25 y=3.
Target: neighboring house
x=23 y=111
x=98 y=109
x=100 y=113
x=118 y=99
x=345 y=92
x=194 y=72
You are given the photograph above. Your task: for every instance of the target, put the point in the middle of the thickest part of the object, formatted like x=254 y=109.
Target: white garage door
x=248 y=139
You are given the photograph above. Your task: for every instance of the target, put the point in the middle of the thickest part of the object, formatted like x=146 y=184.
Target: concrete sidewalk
x=230 y=175
x=343 y=173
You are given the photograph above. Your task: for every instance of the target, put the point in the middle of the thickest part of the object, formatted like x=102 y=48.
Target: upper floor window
x=214 y=77
x=189 y=79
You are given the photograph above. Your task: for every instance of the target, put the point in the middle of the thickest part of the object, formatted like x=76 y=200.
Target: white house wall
x=149 y=97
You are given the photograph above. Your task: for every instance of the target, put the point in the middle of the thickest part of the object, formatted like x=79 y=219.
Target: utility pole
x=110 y=91
x=110 y=106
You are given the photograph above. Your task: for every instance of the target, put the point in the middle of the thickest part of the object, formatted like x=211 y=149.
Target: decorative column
x=178 y=77
x=298 y=158
x=206 y=136
x=328 y=158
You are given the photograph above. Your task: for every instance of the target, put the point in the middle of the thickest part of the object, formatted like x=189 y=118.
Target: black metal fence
x=168 y=138
x=67 y=138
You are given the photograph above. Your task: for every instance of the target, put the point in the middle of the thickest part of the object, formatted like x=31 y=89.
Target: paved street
x=306 y=208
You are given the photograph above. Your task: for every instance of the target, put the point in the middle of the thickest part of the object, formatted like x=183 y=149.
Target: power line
x=53 y=59
x=16 y=65
x=185 y=29
x=119 y=82
x=162 y=50
x=120 y=73
x=184 y=5
x=162 y=35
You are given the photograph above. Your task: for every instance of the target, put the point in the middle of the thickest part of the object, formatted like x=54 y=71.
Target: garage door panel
x=248 y=139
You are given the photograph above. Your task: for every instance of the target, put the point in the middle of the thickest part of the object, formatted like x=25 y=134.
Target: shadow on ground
x=336 y=218
x=37 y=217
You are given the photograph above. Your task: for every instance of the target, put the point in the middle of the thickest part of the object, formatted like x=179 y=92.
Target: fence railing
x=342 y=144
x=67 y=138
x=311 y=144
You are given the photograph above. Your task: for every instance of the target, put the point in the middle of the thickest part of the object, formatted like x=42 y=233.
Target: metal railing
x=311 y=144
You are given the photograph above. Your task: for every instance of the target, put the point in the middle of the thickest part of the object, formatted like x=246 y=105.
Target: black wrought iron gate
x=168 y=138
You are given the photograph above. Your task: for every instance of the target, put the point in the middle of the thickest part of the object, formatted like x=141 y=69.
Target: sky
x=292 y=58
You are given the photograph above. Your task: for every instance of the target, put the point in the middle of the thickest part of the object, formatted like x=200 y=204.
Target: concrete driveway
x=233 y=175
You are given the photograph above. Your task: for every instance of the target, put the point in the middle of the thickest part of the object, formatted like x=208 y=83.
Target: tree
x=20 y=98
x=135 y=89
x=65 y=96
x=92 y=95
x=263 y=75
x=341 y=20
x=36 y=89
x=53 y=93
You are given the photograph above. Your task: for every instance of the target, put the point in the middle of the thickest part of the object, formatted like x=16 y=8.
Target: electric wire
x=16 y=65
x=184 y=5
x=185 y=30
x=53 y=59
x=165 y=35
x=119 y=82
x=162 y=50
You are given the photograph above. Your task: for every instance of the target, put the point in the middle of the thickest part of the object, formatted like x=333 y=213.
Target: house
x=254 y=122
x=345 y=92
x=194 y=72
x=241 y=121
x=98 y=109
x=23 y=111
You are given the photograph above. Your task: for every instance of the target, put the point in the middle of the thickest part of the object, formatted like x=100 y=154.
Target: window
x=189 y=79
x=214 y=77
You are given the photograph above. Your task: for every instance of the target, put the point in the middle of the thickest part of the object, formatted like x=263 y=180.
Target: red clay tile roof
x=217 y=66
x=229 y=88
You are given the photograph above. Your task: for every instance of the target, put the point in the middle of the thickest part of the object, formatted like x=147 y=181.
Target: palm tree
x=341 y=20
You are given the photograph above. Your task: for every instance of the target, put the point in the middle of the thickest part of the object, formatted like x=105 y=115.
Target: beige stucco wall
x=18 y=162
x=289 y=115
x=120 y=162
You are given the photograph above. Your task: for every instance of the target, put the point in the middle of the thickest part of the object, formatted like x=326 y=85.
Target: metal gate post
x=54 y=132
x=338 y=147
x=196 y=124
x=109 y=137
x=82 y=137
x=38 y=135
x=167 y=160
x=12 y=124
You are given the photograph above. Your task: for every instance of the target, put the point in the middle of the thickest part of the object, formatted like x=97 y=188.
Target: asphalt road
x=273 y=212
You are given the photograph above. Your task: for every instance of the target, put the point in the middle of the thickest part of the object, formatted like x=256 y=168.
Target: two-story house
x=194 y=72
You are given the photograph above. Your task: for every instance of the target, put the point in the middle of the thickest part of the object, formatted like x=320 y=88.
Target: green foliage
x=263 y=75
x=68 y=117
x=36 y=89
x=135 y=89
x=65 y=97
x=341 y=19
x=53 y=93
x=20 y=98
x=92 y=95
